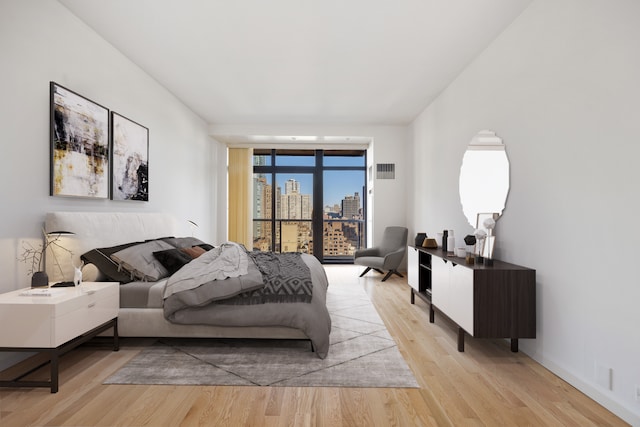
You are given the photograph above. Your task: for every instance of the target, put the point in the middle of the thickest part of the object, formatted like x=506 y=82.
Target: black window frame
x=317 y=171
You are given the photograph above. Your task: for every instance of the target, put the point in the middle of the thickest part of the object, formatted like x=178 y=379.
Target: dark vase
x=39 y=279
x=420 y=238
x=445 y=237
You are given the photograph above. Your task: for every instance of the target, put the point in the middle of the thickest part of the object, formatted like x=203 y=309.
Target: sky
x=337 y=184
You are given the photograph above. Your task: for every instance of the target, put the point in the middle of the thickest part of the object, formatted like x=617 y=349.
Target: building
x=294 y=205
x=352 y=207
x=335 y=242
x=262 y=201
x=292 y=187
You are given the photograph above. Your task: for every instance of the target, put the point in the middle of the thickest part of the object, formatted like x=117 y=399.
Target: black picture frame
x=130 y=159
x=79 y=145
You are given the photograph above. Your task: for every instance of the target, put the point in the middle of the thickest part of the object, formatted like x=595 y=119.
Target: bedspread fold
x=229 y=260
x=303 y=307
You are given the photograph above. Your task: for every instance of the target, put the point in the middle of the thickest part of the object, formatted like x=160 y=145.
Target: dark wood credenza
x=497 y=301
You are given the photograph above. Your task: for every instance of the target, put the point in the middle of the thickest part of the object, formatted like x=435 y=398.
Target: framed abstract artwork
x=130 y=165
x=79 y=141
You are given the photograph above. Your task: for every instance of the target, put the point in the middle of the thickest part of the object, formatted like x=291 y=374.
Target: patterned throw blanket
x=286 y=276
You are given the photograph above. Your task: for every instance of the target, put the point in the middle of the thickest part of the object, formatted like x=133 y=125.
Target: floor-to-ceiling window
x=309 y=201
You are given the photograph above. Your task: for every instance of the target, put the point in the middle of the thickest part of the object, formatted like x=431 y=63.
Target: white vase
x=451 y=243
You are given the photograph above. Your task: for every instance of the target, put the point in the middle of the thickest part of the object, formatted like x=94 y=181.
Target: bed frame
x=103 y=229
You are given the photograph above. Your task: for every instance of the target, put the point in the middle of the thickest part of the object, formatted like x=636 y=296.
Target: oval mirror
x=484 y=178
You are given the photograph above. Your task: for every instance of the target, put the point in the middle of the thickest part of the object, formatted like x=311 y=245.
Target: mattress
x=142 y=294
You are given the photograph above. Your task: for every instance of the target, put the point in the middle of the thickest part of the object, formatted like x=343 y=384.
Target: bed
x=147 y=300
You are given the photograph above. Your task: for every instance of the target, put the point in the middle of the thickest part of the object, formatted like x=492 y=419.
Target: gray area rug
x=362 y=354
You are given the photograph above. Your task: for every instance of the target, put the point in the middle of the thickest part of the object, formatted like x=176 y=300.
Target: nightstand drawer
x=94 y=310
x=25 y=326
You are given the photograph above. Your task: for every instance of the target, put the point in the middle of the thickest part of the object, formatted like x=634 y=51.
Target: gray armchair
x=387 y=256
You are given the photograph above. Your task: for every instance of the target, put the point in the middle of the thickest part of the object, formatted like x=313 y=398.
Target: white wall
x=388 y=146
x=561 y=87
x=42 y=41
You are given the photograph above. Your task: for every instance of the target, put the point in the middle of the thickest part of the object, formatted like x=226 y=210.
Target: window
x=300 y=194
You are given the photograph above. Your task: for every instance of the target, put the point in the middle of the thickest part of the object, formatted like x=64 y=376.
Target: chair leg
x=365 y=271
x=389 y=273
x=379 y=271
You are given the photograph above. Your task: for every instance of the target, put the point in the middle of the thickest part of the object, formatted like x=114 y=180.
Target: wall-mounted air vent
x=386 y=171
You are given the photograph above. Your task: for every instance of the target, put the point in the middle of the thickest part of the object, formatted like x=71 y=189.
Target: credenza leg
x=413 y=297
x=432 y=314
x=514 y=345
x=460 y=339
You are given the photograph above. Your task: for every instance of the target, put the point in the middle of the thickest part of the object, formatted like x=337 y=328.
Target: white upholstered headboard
x=100 y=229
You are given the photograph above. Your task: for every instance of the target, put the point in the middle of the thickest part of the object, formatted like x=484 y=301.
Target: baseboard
x=618 y=408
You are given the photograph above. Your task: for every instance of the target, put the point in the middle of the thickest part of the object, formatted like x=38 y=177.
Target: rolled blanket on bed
x=227 y=260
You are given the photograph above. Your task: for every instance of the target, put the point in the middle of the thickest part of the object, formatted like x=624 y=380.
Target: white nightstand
x=57 y=323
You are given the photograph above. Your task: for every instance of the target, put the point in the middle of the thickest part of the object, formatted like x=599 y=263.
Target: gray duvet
x=204 y=303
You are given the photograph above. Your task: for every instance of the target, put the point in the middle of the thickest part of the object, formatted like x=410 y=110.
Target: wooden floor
x=487 y=385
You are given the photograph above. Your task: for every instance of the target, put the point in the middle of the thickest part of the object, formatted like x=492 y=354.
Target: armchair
x=387 y=256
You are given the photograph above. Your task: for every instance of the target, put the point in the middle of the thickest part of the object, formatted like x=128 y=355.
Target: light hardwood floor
x=486 y=385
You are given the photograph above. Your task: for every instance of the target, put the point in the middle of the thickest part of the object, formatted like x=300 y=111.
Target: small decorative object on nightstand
x=39 y=279
x=77 y=275
x=35 y=256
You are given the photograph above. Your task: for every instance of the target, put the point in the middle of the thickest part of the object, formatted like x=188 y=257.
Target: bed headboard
x=99 y=229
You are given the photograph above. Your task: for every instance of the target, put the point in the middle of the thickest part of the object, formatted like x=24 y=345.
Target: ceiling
x=356 y=62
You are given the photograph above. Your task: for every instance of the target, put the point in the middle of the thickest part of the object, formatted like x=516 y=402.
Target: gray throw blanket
x=227 y=261
x=286 y=277
x=195 y=307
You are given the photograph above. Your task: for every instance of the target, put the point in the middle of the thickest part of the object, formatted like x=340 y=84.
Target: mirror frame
x=481 y=182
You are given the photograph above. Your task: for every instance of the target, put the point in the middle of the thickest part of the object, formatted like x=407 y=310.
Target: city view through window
x=284 y=215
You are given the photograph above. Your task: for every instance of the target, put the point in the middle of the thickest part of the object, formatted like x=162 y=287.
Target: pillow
x=139 y=261
x=194 y=251
x=172 y=259
x=101 y=258
x=206 y=246
x=183 y=242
